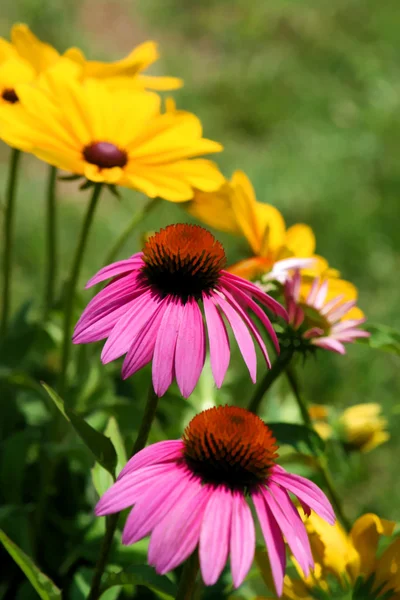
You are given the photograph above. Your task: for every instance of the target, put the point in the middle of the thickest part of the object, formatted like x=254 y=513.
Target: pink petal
x=242 y=313
x=243 y=539
x=273 y=540
x=304 y=555
x=218 y=340
x=117 y=268
x=190 y=350
x=291 y=529
x=126 y=491
x=242 y=335
x=338 y=313
x=160 y=452
x=347 y=324
x=215 y=534
x=255 y=291
x=313 y=291
x=127 y=328
x=331 y=304
x=329 y=344
x=247 y=301
x=142 y=349
x=177 y=535
x=321 y=295
x=164 y=350
x=306 y=491
x=154 y=505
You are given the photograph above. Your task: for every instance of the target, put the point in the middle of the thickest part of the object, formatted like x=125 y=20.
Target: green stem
x=126 y=233
x=321 y=460
x=72 y=283
x=277 y=368
x=112 y=521
x=187 y=583
x=51 y=242
x=8 y=237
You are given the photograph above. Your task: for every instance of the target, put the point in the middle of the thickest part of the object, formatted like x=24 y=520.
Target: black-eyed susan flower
x=116 y=136
x=152 y=310
x=195 y=492
x=346 y=565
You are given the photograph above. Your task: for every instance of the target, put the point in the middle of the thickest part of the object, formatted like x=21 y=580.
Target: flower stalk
x=112 y=521
x=11 y=192
x=51 y=242
x=72 y=283
x=187 y=583
x=270 y=377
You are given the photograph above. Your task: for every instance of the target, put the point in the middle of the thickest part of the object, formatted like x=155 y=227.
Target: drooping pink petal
x=304 y=555
x=329 y=344
x=117 y=268
x=154 y=505
x=215 y=534
x=291 y=530
x=306 y=491
x=339 y=312
x=142 y=349
x=127 y=328
x=273 y=540
x=249 y=302
x=218 y=340
x=321 y=295
x=348 y=324
x=312 y=294
x=243 y=539
x=242 y=313
x=255 y=291
x=242 y=335
x=177 y=535
x=157 y=453
x=331 y=304
x=190 y=350
x=163 y=370
x=126 y=491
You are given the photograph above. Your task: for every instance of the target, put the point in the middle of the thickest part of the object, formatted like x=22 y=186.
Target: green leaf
x=382 y=338
x=141 y=575
x=102 y=479
x=99 y=445
x=300 y=437
x=46 y=589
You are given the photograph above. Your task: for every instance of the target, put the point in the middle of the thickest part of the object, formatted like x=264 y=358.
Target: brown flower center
x=183 y=260
x=229 y=445
x=9 y=95
x=105 y=155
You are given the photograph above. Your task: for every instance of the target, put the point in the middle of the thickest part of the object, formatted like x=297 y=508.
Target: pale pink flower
x=323 y=323
x=160 y=302
x=195 y=492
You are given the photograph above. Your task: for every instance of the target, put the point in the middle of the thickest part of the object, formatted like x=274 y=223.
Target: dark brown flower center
x=229 y=445
x=9 y=95
x=183 y=260
x=105 y=155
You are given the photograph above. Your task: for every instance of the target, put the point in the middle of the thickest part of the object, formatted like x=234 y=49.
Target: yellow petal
x=300 y=240
x=388 y=570
x=251 y=268
x=244 y=208
x=365 y=536
x=273 y=227
x=215 y=209
x=39 y=55
x=7 y=50
x=158 y=83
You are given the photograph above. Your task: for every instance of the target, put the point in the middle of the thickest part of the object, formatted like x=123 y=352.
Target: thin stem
x=187 y=583
x=321 y=460
x=72 y=283
x=112 y=521
x=277 y=368
x=51 y=242
x=124 y=236
x=11 y=191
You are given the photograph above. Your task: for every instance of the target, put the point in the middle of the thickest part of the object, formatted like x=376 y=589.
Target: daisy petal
x=243 y=539
x=190 y=350
x=215 y=534
x=164 y=350
x=218 y=340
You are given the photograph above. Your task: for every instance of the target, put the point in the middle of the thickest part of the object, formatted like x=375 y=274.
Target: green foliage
x=46 y=589
x=141 y=575
x=383 y=338
x=301 y=438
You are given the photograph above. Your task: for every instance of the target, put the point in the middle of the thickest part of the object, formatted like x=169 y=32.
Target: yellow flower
x=30 y=56
x=235 y=209
x=346 y=562
x=363 y=427
x=114 y=136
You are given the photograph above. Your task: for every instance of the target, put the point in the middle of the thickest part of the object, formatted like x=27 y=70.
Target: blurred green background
x=305 y=97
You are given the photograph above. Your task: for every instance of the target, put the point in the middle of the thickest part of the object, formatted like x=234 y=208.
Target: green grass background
x=305 y=97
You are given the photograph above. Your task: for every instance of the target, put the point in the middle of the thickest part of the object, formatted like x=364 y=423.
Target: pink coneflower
x=152 y=310
x=195 y=492
x=319 y=322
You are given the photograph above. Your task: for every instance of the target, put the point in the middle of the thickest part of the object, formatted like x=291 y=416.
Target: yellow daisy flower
x=25 y=57
x=346 y=562
x=113 y=136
